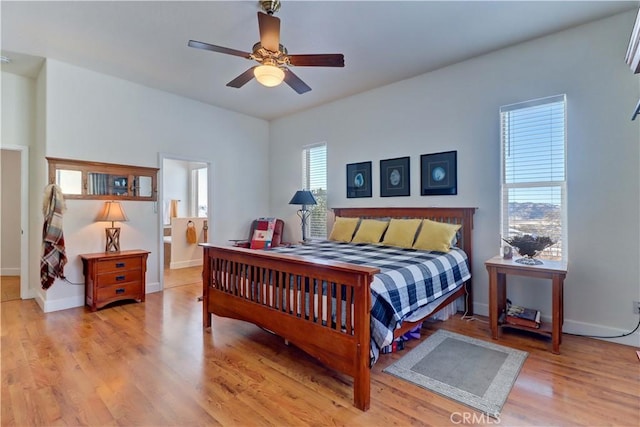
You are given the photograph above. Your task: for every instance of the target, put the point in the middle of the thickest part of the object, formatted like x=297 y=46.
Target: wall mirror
x=93 y=180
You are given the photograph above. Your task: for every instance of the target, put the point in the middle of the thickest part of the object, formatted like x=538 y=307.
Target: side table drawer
x=108 y=265
x=121 y=291
x=118 y=277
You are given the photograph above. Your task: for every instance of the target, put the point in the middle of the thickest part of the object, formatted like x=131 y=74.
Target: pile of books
x=521 y=316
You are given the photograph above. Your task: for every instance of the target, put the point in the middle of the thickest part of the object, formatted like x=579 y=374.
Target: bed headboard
x=463 y=216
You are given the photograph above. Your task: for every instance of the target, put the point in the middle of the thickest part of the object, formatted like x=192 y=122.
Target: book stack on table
x=521 y=316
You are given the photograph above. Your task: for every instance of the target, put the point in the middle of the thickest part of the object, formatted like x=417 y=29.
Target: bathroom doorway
x=184 y=209
x=14 y=226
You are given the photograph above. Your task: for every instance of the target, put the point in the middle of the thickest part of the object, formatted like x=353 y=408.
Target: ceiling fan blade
x=269 y=31
x=219 y=49
x=242 y=79
x=321 y=60
x=295 y=82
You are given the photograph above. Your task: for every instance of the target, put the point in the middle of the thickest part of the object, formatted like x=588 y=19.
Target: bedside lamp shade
x=112 y=211
x=304 y=198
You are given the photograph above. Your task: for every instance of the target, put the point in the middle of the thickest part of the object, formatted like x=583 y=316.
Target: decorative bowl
x=530 y=246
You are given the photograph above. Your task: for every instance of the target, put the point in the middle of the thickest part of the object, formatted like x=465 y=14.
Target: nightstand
x=498 y=269
x=114 y=276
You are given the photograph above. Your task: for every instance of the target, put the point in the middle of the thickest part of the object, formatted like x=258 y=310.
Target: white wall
x=18 y=106
x=183 y=253
x=18 y=129
x=92 y=116
x=19 y=126
x=175 y=185
x=38 y=175
x=456 y=108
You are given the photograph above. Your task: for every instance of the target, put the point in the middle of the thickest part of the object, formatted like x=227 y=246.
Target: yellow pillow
x=401 y=232
x=370 y=231
x=343 y=229
x=436 y=236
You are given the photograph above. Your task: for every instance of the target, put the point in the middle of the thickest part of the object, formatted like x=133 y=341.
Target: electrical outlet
x=636 y=307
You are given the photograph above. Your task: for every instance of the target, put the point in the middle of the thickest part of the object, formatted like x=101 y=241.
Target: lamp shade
x=268 y=75
x=303 y=197
x=112 y=211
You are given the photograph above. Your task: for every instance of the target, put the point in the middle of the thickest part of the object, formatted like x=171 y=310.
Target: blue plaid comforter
x=408 y=279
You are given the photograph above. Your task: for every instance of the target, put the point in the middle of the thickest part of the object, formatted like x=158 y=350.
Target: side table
x=498 y=269
x=114 y=276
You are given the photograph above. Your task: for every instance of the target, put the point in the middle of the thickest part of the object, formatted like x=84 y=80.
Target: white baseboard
x=185 y=264
x=10 y=271
x=596 y=331
x=153 y=287
x=581 y=328
x=30 y=294
x=60 y=304
x=39 y=301
x=63 y=303
x=76 y=301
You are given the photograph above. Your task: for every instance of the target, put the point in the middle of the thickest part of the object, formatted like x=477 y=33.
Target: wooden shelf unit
x=498 y=269
x=81 y=179
x=544 y=329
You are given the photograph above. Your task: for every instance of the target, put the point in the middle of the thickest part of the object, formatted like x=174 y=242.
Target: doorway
x=183 y=201
x=14 y=222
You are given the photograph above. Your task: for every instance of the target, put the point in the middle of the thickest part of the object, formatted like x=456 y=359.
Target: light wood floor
x=182 y=276
x=9 y=288
x=151 y=364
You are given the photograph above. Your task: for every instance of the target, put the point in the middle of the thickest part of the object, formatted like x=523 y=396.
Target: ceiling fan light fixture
x=268 y=75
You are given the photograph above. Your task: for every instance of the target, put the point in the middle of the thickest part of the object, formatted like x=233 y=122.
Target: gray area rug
x=478 y=373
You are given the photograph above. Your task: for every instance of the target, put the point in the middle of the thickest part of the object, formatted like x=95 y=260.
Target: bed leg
x=206 y=277
x=362 y=390
x=206 y=316
x=362 y=381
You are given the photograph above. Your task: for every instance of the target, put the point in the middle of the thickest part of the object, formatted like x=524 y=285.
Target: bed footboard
x=322 y=308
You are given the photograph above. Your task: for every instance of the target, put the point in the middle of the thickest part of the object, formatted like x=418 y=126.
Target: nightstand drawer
x=121 y=291
x=118 y=264
x=118 y=277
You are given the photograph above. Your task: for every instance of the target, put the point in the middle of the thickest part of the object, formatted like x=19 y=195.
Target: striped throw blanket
x=53 y=251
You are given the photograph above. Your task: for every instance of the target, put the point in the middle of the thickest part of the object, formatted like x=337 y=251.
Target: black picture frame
x=395 y=177
x=439 y=174
x=359 y=180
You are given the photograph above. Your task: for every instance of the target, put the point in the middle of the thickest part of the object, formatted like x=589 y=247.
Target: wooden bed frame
x=268 y=289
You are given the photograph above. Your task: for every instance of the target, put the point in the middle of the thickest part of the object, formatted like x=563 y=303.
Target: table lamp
x=112 y=211
x=304 y=198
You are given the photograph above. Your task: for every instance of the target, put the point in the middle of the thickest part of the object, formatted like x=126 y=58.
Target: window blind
x=314 y=177
x=533 y=140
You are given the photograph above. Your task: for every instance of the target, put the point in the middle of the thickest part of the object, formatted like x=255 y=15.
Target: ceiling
x=382 y=41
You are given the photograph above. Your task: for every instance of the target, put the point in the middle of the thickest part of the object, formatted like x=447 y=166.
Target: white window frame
x=559 y=250
x=317 y=226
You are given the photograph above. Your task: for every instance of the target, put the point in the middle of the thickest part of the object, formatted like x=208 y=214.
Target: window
x=199 y=197
x=533 y=145
x=314 y=178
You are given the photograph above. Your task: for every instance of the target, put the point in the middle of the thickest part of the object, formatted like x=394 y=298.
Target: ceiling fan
x=272 y=57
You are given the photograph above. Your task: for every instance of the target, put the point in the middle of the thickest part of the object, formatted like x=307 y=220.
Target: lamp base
x=113 y=239
x=304 y=214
